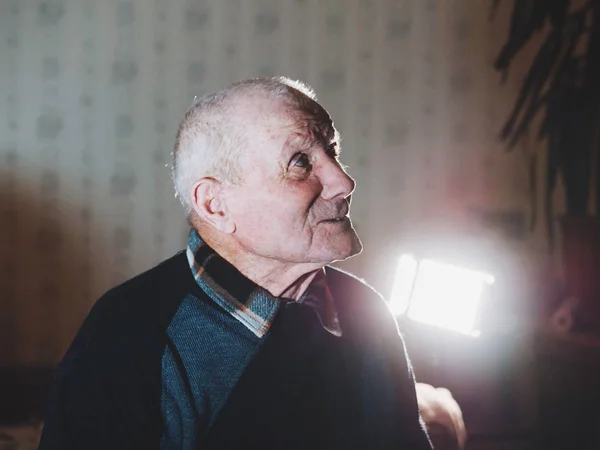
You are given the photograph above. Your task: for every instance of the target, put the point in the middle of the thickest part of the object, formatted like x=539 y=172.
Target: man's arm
x=86 y=411
x=412 y=421
x=80 y=413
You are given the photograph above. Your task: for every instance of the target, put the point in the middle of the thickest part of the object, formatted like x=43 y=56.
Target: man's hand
x=437 y=406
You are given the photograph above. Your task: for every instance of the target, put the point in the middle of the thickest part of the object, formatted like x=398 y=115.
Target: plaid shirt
x=249 y=303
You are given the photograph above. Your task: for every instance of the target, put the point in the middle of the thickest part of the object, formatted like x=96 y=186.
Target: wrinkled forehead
x=304 y=117
x=309 y=113
x=314 y=122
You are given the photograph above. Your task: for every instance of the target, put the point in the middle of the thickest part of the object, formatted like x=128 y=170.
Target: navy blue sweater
x=159 y=364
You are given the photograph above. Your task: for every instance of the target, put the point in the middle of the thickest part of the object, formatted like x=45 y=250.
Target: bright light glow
x=405 y=276
x=438 y=294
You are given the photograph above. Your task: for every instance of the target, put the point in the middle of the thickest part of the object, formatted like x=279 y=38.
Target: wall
x=92 y=92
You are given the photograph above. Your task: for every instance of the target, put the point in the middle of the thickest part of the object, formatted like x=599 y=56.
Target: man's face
x=293 y=201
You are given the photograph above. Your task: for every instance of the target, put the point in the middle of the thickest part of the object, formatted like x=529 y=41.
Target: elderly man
x=249 y=339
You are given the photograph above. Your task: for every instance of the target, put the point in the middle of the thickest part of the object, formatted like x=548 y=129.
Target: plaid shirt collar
x=249 y=303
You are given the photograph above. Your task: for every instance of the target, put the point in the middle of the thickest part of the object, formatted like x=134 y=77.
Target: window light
x=438 y=294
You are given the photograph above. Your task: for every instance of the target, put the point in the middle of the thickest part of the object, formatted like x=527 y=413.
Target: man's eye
x=301 y=160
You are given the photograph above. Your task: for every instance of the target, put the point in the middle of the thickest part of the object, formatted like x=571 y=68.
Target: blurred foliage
x=562 y=85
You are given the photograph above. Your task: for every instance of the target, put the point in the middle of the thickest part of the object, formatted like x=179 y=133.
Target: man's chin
x=357 y=248
x=353 y=248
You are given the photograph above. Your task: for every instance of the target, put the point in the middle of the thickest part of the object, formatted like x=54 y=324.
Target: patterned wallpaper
x=91 y=93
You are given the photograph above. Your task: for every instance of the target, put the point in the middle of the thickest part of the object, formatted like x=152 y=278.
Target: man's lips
x=337 y=219
x=337 y=213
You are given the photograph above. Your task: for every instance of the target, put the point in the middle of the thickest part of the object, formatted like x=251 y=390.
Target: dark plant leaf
x=533 y=84
x=527 y=17
x=532 y=173
x=551 y=176
x=558 y=12
x=563 y=84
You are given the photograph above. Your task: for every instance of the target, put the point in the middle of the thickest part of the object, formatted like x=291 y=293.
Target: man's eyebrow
x=302 y=140
x=323 y=131
x=331 y=133
x=294 y=143
x=312 y=132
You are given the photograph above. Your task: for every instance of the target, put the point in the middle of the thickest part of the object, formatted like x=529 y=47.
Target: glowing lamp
x=438 y=294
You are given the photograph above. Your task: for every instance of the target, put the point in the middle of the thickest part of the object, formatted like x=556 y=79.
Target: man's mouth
x=337 y=219
x=339 y=214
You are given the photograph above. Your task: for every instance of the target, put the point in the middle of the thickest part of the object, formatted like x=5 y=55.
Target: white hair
x=211 y=136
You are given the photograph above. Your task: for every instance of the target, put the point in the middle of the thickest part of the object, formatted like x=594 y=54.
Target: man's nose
x=336 y=182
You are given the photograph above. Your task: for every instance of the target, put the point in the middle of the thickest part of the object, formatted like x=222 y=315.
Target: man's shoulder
x=356 y=298
x=349 y=284
x=170 y=270
x=157 y=287
x=137 y=309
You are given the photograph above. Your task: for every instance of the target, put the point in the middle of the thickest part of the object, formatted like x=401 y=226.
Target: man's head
x=255 y=166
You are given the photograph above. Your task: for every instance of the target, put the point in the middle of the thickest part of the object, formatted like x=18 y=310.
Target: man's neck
x=280 y=279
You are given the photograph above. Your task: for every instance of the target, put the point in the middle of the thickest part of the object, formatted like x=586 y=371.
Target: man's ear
x=208 y=199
